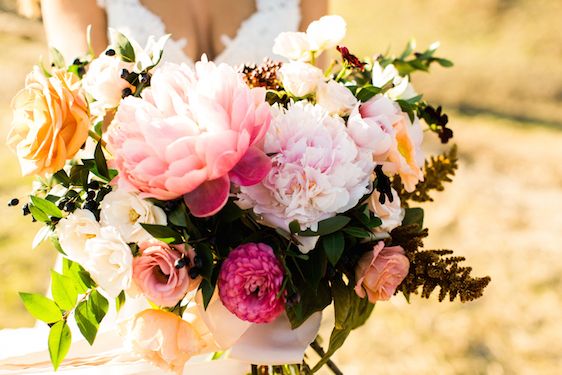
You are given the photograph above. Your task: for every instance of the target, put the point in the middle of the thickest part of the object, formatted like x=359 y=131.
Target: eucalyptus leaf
x=60 y=338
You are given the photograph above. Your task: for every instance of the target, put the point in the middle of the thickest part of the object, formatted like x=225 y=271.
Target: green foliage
x=333 y=245
x=164 y=233
x=63 y=290
x=327 y=226
x=123 y=47
x=350 y=312
x=60 y=338
x=413 y=216
x=41 y=307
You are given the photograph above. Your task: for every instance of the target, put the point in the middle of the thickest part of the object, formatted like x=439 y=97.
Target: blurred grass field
x=503 y=210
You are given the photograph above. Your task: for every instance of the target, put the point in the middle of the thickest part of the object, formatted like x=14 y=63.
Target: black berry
x=194 y=272
x=13 y=202
x=110 y=52
x=70 y=206
x=25 y=209
x=126 y=92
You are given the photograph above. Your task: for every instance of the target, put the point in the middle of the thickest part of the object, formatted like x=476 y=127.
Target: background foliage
x=502 y=211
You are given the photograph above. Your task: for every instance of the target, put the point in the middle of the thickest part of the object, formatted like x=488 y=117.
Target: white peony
x=326 y=32
x=109 y=262
x=103 y=80
x=391 y=213
x=300 y=78
x=402 y=88
x=318 y=170
x=126 y=211
x=293 y=46
x=335 y=98
x=74 y=230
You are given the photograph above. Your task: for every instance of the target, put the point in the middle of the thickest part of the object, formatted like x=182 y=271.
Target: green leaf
x=62 y=177
x=334 y=245
x=79 y=175
x=163 y=233
x=410 y=47
x=63 y=290
x=444 y=62
x=57 y=58
x=178 y=216
x=86 y=321
x=49 y=208
x=357 y=232
x=101 y=163
x=367 y=92
x=41 y=307
x=327 y=226
x=123 y=47
x=413 y=216
x=207 y=290
x=39 y=215
x=81 y=278
x=204 y=252
x=98 y=305
x=60 y=338
x=98 y=128
x=294 y=227
x=120 y=300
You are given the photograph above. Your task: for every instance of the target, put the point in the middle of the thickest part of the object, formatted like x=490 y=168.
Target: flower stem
x=331 y=365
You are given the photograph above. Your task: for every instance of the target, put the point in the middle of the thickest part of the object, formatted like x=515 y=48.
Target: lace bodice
x=252 y=43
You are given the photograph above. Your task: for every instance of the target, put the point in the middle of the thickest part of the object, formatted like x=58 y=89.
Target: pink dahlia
x=191 y=134
x=249 y=281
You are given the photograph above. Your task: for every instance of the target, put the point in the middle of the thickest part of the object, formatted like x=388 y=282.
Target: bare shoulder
x=66 y=21
x=311 y=10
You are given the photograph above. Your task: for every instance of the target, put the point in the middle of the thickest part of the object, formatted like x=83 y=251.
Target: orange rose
x=51 y=121
x=164 y=339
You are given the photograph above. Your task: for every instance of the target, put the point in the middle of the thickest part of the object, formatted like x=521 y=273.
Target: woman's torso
x=233 y=32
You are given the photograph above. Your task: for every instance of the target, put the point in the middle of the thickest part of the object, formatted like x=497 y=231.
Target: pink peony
x=191 y=134
x=155 y=274
x=379 y=272
x=249 y=281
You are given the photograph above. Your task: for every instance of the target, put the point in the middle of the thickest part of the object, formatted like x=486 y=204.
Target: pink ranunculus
x=191 y=134
x=379 y=272
x=155 y=274
x=249 y=282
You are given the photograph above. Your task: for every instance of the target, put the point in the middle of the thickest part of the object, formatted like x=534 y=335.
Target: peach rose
x=164 y=339
x=51 y=122
x=379 y=272
x=155 y=274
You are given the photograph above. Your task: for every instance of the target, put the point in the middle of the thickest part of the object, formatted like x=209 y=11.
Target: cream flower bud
x=326 y=32
x=402 y=88
x=103 y=80
x=109 y=262
x=293 y=46
x=335 y=98
x=299 y=78
x=391 y=213
x=126 y=211
x=74 y=230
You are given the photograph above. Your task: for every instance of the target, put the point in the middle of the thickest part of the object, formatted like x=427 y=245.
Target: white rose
x=293 y=46
x=110 y=262
x=402 y=88
x=73 y=232
x=103 y=80
x=326 y=32
x=335 y=98
x=391 y=213
x=126 y=211
x=300 y=78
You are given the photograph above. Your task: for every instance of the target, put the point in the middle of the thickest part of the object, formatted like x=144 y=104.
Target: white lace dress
x=23 y=351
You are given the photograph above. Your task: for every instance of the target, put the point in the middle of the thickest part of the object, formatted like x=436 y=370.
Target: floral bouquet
x=237 y=204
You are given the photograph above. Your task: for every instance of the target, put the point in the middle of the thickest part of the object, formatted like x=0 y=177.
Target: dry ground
x=503 y=211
